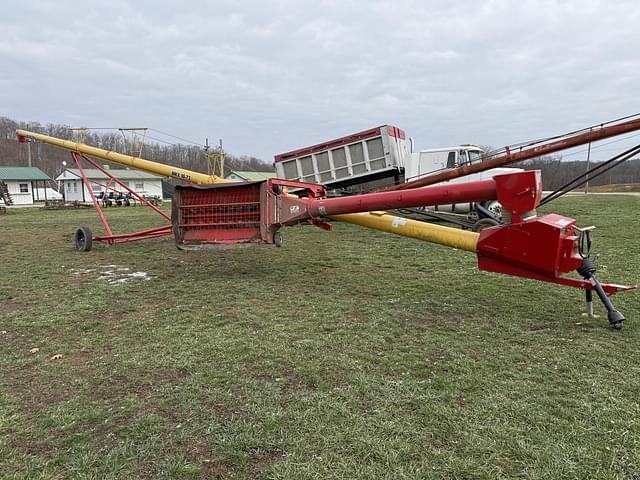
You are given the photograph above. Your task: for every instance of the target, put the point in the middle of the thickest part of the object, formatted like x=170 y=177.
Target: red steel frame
x=110 y=238
x=530 y=246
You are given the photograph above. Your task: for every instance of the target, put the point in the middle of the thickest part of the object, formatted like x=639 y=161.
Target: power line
x=160 y=140
x=178 y=138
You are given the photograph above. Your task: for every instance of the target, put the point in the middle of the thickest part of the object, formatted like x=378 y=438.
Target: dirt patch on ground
x=139 y=382
x=10 y=305
x=37 y=391
x=34 y=390
x=288 y=380
x=257 y=460
x=34 y=393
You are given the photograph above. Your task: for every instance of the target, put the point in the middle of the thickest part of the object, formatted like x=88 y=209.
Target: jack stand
x=589 y=313
x=588 y=270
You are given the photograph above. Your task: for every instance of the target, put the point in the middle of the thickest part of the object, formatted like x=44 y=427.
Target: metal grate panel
x=218 y=214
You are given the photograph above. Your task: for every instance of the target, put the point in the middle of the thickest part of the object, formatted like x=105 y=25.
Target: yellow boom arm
x=126 y=160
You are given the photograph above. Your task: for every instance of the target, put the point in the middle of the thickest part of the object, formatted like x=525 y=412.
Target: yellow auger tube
x=451 y=237
x=127 y=160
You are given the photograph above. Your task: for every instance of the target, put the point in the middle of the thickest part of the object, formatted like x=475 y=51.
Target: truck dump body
x=374 y=156
x=369 y=160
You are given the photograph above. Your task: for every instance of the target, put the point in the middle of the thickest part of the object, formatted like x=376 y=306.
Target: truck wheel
x=484 y=223
x=83 y=239
x=495 y=208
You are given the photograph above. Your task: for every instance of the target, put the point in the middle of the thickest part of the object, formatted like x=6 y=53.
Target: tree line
x=557 y=172
x=49 y=158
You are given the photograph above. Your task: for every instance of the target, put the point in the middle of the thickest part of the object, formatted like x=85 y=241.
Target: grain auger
x=210 y=211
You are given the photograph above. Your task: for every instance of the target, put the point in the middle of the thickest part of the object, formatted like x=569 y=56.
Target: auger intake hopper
x=234 y=213
x=217 y=214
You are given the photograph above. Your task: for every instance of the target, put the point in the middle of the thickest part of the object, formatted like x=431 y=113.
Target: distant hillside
x=49 y=158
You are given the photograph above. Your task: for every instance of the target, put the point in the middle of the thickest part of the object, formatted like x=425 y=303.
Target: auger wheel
x=83 y=239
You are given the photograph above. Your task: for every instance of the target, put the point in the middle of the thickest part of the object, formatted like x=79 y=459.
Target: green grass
x=351 y=354
x=620 y=188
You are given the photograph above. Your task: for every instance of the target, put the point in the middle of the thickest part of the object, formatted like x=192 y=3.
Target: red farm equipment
x=543 y=248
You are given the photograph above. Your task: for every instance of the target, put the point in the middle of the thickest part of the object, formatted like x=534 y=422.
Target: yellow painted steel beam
x=451 y=237
x=126 y=160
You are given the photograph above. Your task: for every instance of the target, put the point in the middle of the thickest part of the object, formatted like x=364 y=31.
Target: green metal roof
x=22 y=173
x=253 y=175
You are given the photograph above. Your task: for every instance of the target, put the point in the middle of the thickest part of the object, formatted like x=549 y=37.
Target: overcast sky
x=271 y=76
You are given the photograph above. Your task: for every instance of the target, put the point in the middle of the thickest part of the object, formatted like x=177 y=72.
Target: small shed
x=22 y=185
x=140 y=182
x=243 y=176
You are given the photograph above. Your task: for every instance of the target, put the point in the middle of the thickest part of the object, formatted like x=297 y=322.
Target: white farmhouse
x=73 y=189
x=20 y=185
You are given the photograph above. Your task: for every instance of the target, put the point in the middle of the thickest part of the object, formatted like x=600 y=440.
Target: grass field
x=352 y=354
x=622 y=187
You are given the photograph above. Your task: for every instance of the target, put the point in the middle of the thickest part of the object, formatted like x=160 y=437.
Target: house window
x=139 y=187
x=75 y=187
x=24 y=188
x=96 y=188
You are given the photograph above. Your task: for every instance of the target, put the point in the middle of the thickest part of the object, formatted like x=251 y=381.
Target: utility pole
x=586 y=185
x=29 y=152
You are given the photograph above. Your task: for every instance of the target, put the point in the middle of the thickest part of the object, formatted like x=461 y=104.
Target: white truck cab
x=428 y=161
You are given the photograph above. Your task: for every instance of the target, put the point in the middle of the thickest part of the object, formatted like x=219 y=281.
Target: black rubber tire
x=278 y=239
x=494 y=208
x=484 y=223
x=83 y=239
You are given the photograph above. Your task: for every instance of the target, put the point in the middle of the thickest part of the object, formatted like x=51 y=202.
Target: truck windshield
x=475 y=156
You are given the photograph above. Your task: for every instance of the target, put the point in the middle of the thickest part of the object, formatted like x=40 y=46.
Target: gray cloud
x=272 y=76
